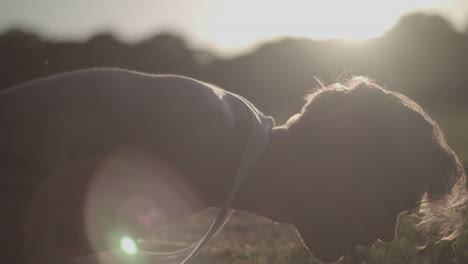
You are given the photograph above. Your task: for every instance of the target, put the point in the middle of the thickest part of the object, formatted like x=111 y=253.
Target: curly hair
x=388 y=137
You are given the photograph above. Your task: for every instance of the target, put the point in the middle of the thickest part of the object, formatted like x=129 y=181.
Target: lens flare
x=128 y=246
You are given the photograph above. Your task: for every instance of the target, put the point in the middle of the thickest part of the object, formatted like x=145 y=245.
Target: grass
x=245 y=239
x=249 y=239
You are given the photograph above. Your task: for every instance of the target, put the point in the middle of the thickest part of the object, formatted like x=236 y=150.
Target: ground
x=249 y=239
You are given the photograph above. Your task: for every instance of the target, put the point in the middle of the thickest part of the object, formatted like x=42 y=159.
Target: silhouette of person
x=341 y=170
x=356 y=156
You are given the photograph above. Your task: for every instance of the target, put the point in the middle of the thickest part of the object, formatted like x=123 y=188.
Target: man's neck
x=263 y=191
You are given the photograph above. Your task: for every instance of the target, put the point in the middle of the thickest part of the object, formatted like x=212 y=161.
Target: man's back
x=67 y=127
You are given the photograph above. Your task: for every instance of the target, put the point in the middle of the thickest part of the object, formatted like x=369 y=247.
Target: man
x=108 y=152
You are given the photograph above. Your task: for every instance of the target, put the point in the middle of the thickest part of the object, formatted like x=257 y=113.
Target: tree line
x=422 y=56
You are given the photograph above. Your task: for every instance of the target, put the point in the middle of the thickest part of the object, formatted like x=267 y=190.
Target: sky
x=227 y=27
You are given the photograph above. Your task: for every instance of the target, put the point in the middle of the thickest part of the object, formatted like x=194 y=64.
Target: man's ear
x=293 y=119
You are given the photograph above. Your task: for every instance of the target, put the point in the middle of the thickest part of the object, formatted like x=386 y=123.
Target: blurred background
x=267 y=51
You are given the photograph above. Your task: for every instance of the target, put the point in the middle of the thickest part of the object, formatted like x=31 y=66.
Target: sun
x=237 y=23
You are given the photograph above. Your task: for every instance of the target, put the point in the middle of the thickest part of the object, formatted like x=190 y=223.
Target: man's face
x=332 y=238
x=333 y=223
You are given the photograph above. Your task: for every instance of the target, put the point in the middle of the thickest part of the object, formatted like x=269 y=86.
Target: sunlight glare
x=133 y=193
x=240 y=22
x=128 y=246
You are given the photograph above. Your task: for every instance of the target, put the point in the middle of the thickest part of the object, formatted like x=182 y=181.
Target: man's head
x=364 y=154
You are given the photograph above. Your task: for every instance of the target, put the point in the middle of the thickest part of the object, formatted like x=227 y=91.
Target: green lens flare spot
x=128 y=246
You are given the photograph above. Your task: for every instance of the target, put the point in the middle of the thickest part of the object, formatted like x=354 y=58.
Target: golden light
x=237 y=23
